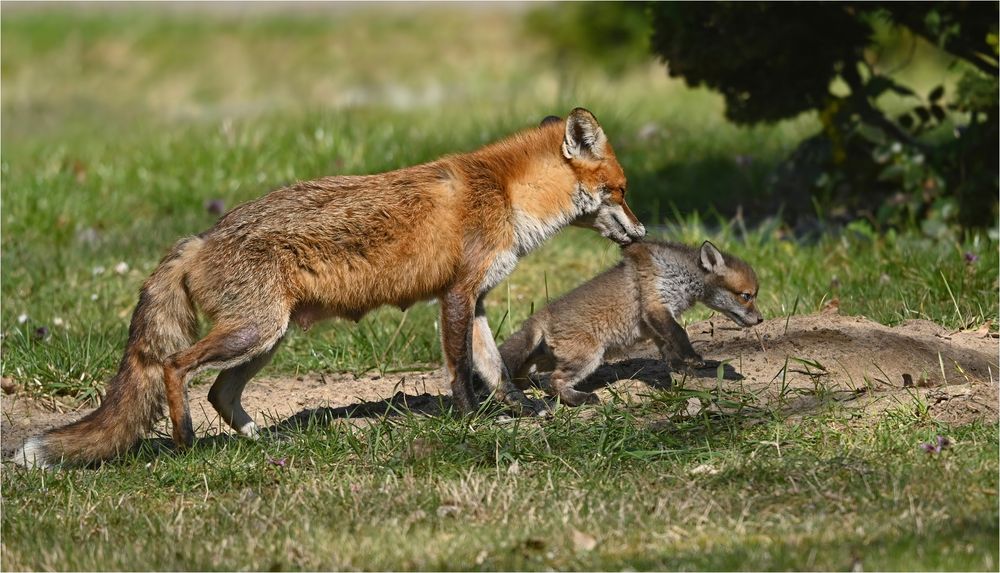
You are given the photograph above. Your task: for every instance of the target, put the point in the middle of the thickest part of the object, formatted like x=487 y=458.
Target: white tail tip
x=32 y=454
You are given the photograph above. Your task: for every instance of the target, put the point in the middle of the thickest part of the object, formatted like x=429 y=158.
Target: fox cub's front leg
x=672 y=340
x=669 y=336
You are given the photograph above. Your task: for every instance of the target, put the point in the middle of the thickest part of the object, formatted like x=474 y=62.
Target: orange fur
x=342 y=246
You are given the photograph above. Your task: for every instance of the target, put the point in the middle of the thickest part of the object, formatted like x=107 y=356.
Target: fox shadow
x=400 y=404
x=654 y=373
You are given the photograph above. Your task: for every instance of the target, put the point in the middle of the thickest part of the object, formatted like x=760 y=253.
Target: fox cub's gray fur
x=642 y=297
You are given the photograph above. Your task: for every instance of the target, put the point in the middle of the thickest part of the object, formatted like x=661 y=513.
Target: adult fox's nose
x=760 y=319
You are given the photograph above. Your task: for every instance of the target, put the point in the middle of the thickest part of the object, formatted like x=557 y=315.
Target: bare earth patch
x=797 y=366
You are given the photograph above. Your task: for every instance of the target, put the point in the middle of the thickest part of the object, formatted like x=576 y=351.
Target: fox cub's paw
x=577 y=398
x=695 y=362
x=528 y=408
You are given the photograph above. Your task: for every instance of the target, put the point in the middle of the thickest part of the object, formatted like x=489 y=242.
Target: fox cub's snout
x=730 y=286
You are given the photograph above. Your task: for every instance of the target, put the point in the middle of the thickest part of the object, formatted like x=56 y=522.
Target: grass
x=889 y=278
x=628 y=487
x=120 y=124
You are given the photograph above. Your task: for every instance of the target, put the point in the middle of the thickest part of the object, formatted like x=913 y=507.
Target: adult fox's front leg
x=457 y=313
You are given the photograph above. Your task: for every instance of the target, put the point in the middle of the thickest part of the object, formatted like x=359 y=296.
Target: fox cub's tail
x=164 y=322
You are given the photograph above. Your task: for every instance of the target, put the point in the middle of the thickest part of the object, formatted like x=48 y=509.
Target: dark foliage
x=935 y=164
x=770 y=61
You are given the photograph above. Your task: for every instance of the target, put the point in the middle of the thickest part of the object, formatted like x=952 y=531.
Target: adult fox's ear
x=550 y=119
x=584 y=137
x=710 y=258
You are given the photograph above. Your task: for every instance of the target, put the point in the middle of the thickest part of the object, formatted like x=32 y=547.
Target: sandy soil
x=798 y=366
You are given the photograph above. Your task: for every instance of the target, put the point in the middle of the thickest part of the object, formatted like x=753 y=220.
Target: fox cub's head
x=730 y=286
x=599 y=196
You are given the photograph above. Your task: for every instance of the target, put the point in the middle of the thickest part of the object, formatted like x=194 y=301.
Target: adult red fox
x=341 y=246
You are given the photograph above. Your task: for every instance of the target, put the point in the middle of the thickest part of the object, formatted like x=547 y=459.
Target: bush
x=611 y=35
x=935 y=162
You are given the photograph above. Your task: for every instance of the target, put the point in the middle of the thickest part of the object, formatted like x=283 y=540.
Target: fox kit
x=341 y=246
x=642 y=297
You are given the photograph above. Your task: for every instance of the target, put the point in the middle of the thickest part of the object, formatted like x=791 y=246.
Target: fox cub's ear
x=584 y=136
x=549 y=119
x=710 y=258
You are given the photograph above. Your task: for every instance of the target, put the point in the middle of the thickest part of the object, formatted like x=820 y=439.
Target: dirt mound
x=797 y=364
x=808 y=360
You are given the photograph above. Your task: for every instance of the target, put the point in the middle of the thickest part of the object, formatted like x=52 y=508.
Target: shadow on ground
x=791 y=367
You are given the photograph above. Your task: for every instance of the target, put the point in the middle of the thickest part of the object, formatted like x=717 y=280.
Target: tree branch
x=872 y=115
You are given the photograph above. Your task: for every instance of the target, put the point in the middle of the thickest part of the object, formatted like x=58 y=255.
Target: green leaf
x=877 y=85
x=872 y=134
x=901 y=89
x=815 y=363
x=893 y=172
x=938 y=112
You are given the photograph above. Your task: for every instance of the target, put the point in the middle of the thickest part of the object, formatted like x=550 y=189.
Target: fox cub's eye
x=747 y=297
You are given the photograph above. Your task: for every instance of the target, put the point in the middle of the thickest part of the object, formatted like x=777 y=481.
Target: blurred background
x=820 y=113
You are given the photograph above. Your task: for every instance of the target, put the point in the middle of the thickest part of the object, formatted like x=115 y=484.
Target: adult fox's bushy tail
x=164 y=322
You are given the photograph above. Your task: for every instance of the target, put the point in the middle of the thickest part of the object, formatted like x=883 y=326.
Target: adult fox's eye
x=747 y=297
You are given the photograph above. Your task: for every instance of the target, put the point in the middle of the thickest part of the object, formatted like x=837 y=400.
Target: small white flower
x=58 y=321
x=93 y=296
x=121 y=268
x=22 y=318
x=703 y=469
x=98 y=270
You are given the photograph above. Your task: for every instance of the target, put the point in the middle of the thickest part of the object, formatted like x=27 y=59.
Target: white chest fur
x=503 y=264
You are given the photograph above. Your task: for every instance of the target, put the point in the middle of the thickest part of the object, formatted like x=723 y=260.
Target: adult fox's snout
x=616 y=222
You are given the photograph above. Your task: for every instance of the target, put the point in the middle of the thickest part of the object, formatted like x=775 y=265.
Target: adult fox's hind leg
x=228 y=388
x=228 y=345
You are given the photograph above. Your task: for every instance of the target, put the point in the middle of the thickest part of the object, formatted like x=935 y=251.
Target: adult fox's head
x=730 y=286
x=600 y=181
